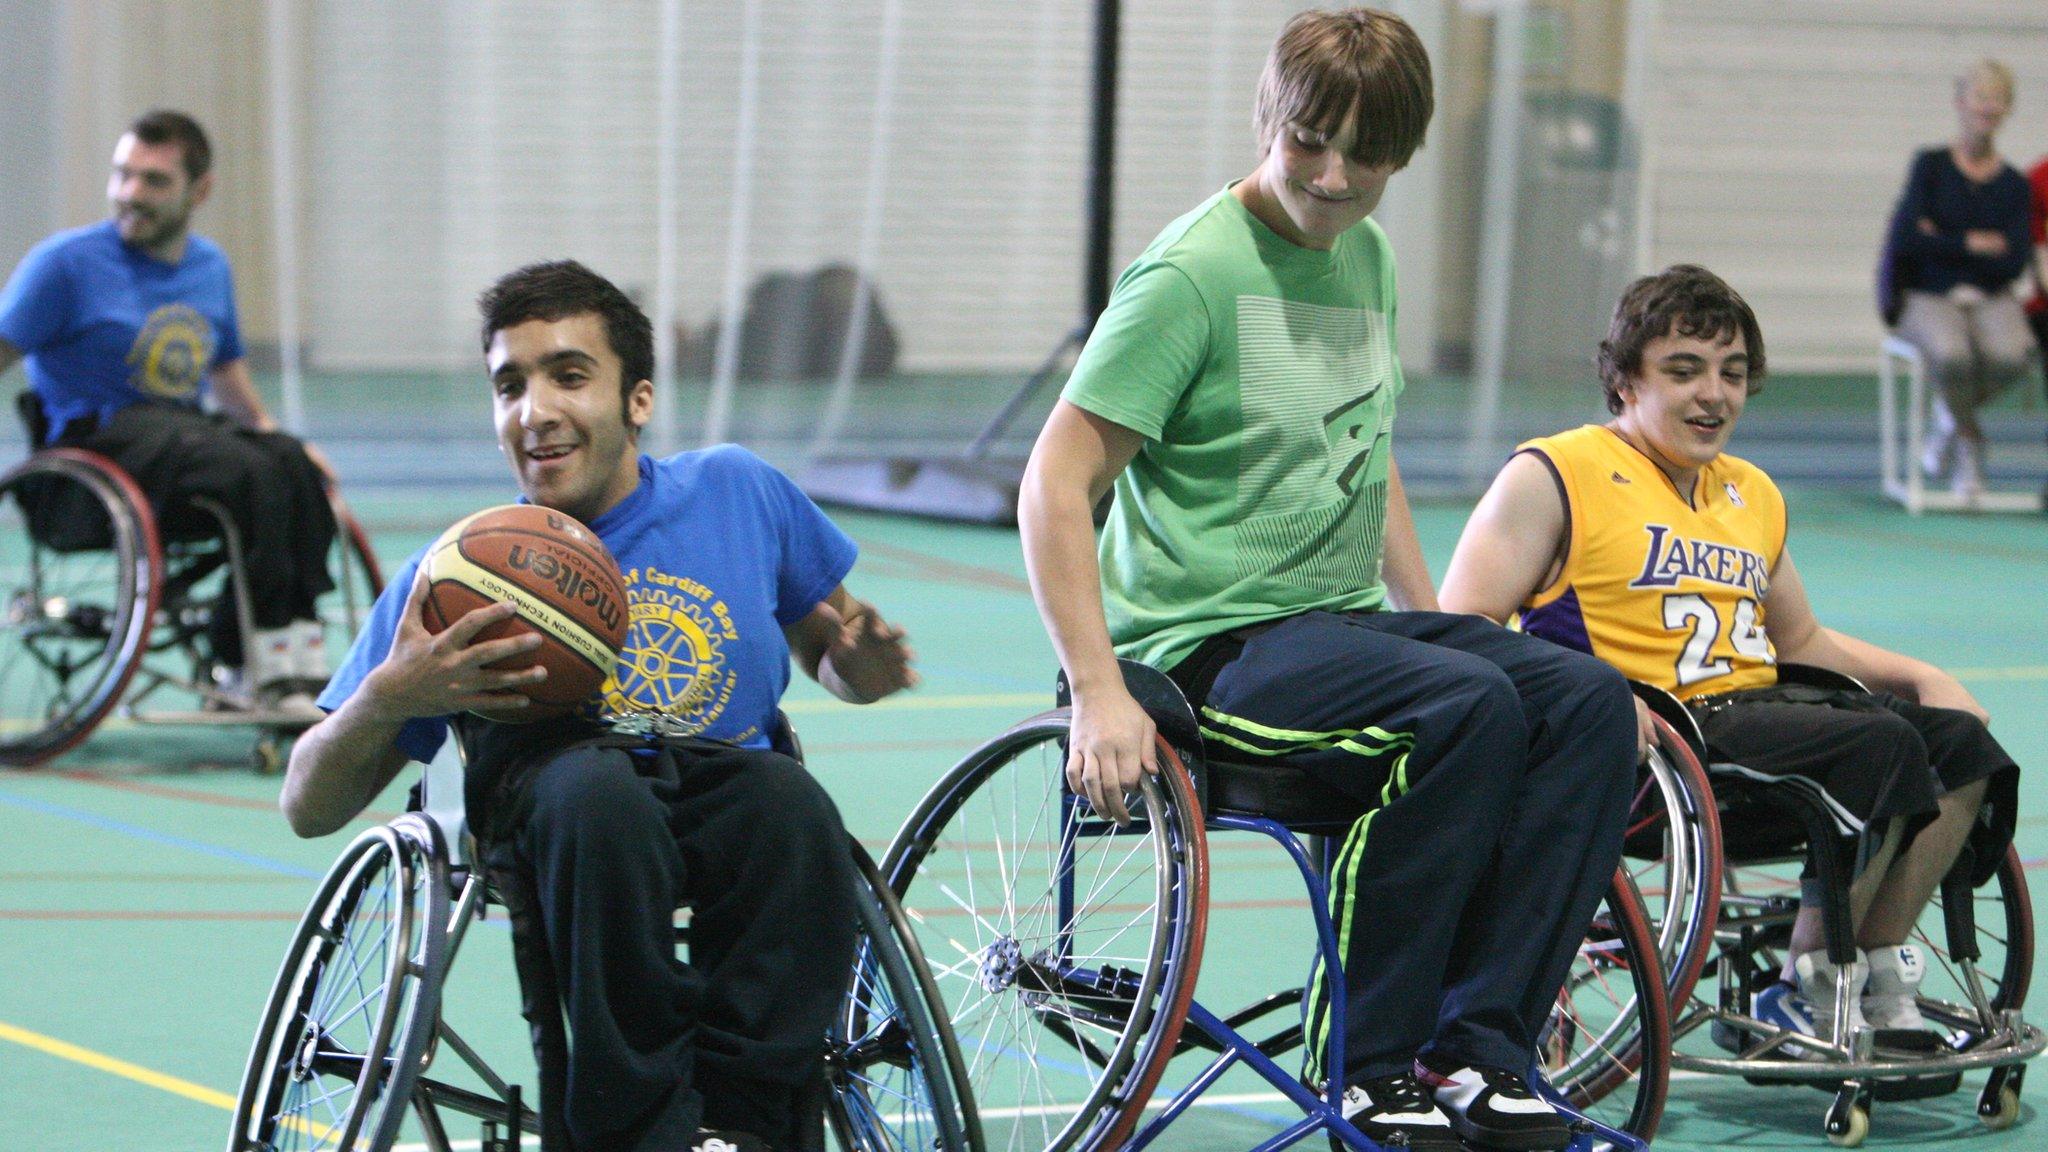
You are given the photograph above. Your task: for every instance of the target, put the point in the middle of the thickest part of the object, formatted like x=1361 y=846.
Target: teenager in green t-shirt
x=1239 y=392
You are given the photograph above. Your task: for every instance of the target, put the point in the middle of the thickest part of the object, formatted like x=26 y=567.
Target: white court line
x=1213 y=1100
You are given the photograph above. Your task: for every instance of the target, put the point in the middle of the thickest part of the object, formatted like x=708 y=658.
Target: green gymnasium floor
x=148 y=886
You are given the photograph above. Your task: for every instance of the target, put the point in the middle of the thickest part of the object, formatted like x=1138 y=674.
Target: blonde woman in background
x=1960 y=237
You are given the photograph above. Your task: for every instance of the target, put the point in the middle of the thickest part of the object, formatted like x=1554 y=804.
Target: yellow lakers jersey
x=1671 y=593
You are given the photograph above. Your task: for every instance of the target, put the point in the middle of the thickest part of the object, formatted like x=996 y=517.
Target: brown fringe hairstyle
x=1360 y=63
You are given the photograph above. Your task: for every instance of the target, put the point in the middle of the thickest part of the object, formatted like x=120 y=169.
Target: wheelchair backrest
x=64 y=515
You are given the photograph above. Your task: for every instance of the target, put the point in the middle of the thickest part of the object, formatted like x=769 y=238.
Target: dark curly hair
x=1682 y=300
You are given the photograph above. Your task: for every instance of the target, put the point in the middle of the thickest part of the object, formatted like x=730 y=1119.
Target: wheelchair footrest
x=1916 y=1087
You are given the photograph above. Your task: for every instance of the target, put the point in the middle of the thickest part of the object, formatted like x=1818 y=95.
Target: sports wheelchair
x=97 y=593
x=1067 y=947
x=354 y=1024
x=1718 y=855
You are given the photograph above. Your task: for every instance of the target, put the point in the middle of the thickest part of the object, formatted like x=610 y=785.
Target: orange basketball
x=565 y=583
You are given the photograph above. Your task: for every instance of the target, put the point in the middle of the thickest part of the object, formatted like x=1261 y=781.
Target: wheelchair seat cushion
x=1281 y=792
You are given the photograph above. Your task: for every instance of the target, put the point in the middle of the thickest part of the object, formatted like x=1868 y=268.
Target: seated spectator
x=1959 y=239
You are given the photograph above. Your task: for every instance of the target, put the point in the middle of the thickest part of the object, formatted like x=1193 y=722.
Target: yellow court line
x=2017 y=672
x=104 y=1063
x=914 y=702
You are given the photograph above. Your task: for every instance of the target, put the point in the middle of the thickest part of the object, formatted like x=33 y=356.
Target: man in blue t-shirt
x=127 y=326
x=730 y=572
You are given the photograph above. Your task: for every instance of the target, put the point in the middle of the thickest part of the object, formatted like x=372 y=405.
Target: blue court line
x=108 y=824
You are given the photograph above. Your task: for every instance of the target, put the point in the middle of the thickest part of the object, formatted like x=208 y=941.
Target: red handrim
x=1653 y=1042
x=1683 y=975
x=145 y=579
x=352 y=530
x=1173 y=1010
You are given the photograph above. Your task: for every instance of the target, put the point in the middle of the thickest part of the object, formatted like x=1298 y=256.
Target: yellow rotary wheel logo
x=673 y=661
x=171 y=353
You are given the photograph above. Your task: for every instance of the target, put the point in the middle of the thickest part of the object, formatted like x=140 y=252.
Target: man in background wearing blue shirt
x=126 y=327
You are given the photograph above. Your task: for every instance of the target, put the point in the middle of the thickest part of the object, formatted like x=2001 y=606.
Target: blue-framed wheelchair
x=1067 y=948
x=104 y=604
x=1719 y=853
x=349 y=1038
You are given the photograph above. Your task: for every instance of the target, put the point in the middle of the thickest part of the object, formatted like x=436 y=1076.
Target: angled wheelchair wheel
x=898 y=1082
x=347 y=1026
x=1999 y=929
x=358 y=578
x=1673 y=854
x=79 y=566
x=1607 y=1047
x=1065 y=948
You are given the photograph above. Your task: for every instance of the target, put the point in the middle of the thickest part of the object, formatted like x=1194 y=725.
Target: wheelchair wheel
x=1673 y=854
x=898 y=1083
x=357 y=577
x=1065 y=948
x=350 y=1017
x=79 y=565
x=2001 y=917
x=1607 y=1047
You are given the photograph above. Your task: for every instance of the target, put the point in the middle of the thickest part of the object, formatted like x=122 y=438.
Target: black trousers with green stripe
x=1494 y=771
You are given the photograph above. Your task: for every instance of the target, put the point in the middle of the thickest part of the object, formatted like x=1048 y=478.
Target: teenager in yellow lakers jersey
x=1642 y=542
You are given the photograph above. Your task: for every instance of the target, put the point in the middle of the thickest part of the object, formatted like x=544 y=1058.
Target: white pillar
x=1496 y=240
x=284 y=209
x=725 y=370
x=667 y=196
x=866 y=252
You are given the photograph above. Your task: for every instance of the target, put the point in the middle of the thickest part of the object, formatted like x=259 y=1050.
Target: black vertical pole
x=1101 y=164
x=1101 y=202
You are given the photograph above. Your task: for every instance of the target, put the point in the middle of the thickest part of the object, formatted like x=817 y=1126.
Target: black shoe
x=1395 y=1109
x=1494 y=1107
x=727 y=1141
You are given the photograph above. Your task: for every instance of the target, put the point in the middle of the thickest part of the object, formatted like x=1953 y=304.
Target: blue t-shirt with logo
x=719 y=551
x=106 y=326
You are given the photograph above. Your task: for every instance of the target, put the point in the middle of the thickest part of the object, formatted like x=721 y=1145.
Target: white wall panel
x=1782 y=135
x=450 y=143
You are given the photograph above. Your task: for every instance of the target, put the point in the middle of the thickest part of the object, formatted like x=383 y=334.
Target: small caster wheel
x=1848 y=1121
x=1849 y=1129
x=268 y=756
x=2001 y=1111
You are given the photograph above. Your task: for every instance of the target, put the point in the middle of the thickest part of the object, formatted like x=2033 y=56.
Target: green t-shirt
x=1263 y=378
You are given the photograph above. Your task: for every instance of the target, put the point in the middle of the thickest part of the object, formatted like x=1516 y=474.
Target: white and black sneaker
x=1395 y=1110
x=709 y=1140
x=1494 y=1107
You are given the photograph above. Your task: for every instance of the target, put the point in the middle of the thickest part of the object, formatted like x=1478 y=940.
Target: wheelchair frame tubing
x=1323 y=1111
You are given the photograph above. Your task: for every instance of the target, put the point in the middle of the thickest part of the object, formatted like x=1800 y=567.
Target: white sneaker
x=1817 y=988
x=309 y=652
x=1890 y=999
x=1968 y=481
x=1938 y=451
x=267 y=656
